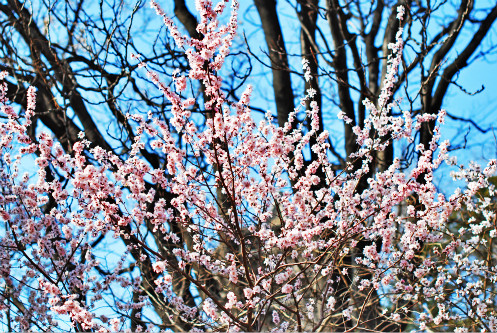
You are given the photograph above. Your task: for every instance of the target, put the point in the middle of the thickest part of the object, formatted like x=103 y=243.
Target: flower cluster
x=251 y=232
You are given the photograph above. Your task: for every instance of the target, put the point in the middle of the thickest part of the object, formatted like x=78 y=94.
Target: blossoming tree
x=237 y=229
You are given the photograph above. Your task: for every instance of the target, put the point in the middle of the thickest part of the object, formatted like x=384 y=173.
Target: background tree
x=79 y=56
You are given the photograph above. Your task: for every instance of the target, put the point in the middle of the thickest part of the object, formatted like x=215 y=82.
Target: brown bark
x=282 y=84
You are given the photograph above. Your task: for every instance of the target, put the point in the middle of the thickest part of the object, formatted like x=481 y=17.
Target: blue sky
x=480 y=108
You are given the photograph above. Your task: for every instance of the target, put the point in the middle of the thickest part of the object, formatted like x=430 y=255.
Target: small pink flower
x=287 y=288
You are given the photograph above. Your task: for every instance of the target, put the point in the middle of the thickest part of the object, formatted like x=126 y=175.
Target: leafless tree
x=80 y=55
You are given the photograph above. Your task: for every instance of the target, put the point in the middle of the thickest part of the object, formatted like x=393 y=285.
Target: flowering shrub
x=252 y=236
